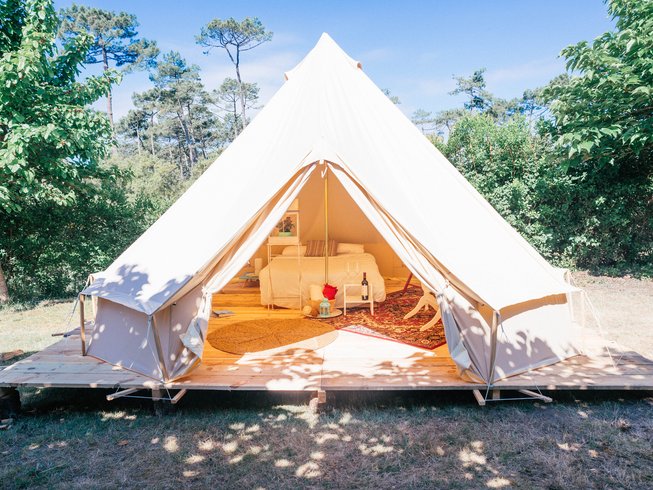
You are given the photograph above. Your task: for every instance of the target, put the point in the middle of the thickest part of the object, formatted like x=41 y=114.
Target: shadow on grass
x=415 y=439
x=44 y=400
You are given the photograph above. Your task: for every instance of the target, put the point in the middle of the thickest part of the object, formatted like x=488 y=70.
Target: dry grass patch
x=376 y=440
x=31 y=329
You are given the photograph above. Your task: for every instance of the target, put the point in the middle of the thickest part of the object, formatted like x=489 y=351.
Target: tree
x=235 y=38
x=506 y=163
x=115 y=40
x=606 y=112
x=393 y=98
x=422 y=119
x=447 y=119
x=226 y=99
x=480 y=99
x=50 y=141
x=147 y=103
x=134 y=124
x=179 y=84
x=602 y=122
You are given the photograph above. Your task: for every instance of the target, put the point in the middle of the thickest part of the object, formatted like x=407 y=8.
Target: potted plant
x=285 y=226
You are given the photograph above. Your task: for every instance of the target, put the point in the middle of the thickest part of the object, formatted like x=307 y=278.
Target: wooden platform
x=350 y=362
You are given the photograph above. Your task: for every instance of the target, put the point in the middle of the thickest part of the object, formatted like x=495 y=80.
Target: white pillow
x=291 y=251
x=350 y=248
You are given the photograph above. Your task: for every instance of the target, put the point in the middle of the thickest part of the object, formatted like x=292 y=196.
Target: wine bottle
x=364 y=289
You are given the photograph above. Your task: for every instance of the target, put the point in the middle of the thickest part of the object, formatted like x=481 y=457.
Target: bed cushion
x=315 y=248
x=350 y=248
x=291 y=251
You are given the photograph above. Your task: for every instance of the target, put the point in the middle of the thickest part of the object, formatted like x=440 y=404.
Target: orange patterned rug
x=388 y=321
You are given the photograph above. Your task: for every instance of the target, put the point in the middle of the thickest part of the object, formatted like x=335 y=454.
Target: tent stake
x=119 y=394
x=539 y=396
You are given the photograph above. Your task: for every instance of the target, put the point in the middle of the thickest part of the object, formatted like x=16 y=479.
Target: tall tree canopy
x=474 y=87
x=227 y=97
x=235 y=38
x=603 y=122
x=49 y=139
x=115 y=40
x=606 y=112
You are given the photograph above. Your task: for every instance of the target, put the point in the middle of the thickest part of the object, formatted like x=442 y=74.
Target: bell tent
x=505 y=310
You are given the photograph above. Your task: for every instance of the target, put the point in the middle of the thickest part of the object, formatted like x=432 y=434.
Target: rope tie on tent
x=594 y=313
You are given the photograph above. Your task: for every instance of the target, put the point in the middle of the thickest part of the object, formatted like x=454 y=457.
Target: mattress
x=283 y=277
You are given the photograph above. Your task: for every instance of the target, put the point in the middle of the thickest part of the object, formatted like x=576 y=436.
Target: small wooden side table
x=355 y=299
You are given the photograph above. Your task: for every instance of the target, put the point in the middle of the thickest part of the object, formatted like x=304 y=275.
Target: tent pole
x=82 y=332
x=159 y=350
x=493 y=350
x=326 y=223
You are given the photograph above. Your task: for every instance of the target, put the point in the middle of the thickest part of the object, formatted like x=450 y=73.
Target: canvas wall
x=347 y=223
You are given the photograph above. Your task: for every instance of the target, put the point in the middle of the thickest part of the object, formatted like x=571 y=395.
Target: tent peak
x=326 y=52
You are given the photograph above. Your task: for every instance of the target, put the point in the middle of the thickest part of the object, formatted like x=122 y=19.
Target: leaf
x=630 y=44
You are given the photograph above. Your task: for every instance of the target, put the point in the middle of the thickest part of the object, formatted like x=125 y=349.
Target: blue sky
x=411 y=47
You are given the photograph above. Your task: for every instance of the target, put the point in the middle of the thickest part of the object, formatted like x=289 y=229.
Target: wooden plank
x=175 y=399
x=479 y=398
x=351 y=362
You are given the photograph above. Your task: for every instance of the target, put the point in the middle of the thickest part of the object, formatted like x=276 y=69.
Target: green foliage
x=50 y=141
x=603 y=124
x=48 y=250
x=604 y=116
x=173 y=120
x=235 y=38
x=114 y=36
x=474 y=88
x=227 y=97
x=504 y=163
x=114 y=40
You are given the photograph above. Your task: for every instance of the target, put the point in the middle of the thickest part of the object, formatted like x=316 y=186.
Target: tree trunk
x=170 y=152
x=152 y=133
x=240 y=89
x=139 y=142
x=235 y=121
x=4 y=291
x=191 y=131
x=105 y=62
x=184 y=128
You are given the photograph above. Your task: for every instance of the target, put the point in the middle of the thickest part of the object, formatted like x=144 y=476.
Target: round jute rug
x=267 y=333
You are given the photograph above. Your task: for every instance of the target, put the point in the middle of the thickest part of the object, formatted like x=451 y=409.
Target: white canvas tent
x=505 y=309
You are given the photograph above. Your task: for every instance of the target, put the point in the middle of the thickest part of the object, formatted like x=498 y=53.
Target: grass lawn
x=74 y=438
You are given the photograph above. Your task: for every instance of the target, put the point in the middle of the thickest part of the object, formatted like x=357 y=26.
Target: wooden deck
x=350 y=362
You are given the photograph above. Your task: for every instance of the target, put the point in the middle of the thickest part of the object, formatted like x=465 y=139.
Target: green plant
x=286 y=225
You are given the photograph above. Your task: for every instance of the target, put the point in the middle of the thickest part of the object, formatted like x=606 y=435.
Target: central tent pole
x=326 y=224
